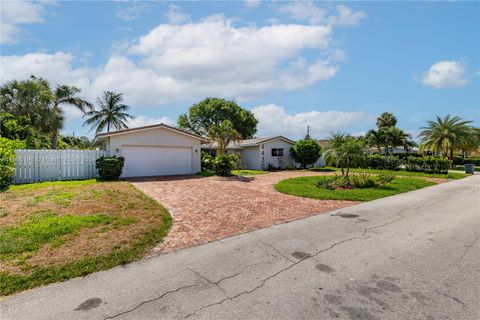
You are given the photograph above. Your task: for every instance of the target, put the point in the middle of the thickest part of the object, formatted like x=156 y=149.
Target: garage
x=156 y=161
x=156 y=150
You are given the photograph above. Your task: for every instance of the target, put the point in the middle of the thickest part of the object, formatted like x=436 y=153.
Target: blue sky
x=332 y=65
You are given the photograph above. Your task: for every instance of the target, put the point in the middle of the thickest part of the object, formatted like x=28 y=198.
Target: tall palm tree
x=386 y=119
x=449 y=134
x=223 y=134
x=345 y=151
x=63 y=95
x=112 y=113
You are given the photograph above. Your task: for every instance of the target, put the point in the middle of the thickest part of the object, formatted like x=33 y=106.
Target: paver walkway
x=212 y=208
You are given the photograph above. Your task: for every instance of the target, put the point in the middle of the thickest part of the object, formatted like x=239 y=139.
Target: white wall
x=276 y=161
x=155 y=137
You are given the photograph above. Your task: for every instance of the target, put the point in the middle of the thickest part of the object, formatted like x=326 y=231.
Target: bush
x=305 y=152
x=382 y=162
x=428 y=164
x=7 y=160
x=207 y=161
x=362 y=180
x=385 y=178
x=458 y=160
x=110 y=168
x=334 y=183
x=474 y=161
x=224 y=164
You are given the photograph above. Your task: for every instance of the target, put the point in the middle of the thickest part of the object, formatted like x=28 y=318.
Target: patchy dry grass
x=53 y=231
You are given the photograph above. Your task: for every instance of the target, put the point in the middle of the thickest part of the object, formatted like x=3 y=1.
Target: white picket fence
x=49 y=165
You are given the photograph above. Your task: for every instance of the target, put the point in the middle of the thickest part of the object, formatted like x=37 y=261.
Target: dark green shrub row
x=110 y=168
x=207 y=161
x=428 y=164
x=461 y=160
x=382 y=162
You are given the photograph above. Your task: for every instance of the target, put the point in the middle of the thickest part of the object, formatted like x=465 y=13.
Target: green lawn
x=208 y=173
x=306 y=187
x=450 y=175
x=54 y=231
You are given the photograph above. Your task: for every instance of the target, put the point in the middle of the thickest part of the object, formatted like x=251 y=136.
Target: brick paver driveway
x=211 y=208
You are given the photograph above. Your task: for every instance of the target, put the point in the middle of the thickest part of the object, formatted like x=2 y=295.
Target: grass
x=208 y=173
x=54 y=231
x=450 y=175
x=306 y=187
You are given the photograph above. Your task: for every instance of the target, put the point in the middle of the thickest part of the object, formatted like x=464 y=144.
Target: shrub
x=224 y=164
x=305 y=152
x=207 y=161
x=474 y=161
x=428 y=164
x=333 y=183
x=385 y=178
x=382 y=162
x=362 y=180
x=7 y=160
x=458 y=160
x=110 y=168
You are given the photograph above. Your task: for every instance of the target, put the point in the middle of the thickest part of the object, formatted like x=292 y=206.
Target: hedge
x=458 y=160
x=110 y=168
x=7 y=160
x=428 y=164
x=382 y=162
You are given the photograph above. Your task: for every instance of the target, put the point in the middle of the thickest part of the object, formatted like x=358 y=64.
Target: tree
x=449 y=134
x=375 y=138
x=213 y=111
x=386 y=119
x=305 y=152
x=345 y=152
x=223 y=134
x=394 y=137
x=112 y=113
x=36 y=99
x=19 y=128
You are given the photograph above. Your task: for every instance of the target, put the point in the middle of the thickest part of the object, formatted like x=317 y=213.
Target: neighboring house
x=258 y=153
x=395 y=150
x=154 y=150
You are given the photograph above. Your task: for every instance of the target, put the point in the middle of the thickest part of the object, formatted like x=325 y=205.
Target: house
x=259 y=153
x=153 y=150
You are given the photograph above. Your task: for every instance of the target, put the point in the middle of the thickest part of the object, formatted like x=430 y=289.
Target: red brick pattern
x=206 y=209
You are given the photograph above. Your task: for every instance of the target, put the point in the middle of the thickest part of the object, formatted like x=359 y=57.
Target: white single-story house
x=258 y=153
x=154 y=150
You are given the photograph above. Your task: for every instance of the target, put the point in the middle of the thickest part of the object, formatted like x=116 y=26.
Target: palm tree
x=112 y=113
x=375 y=138
x=394 y=137
x=447 y=135
x=386 y=119
x=345 y=151
x=223 y=134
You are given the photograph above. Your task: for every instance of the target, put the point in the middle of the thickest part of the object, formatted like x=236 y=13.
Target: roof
x=248 y=142
x=99 y=136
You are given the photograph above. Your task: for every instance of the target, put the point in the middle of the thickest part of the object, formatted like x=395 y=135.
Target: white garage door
x=156 y=161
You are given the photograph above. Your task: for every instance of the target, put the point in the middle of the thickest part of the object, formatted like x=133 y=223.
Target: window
x=277 y=152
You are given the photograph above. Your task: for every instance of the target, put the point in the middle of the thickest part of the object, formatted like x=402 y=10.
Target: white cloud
x=252 y=3
x=445 y=74
x=13 y=14
x=132 y=11
x=179 y=62
x=142 y=121
x=274 y=120
x=308 y=11
x=175 y=15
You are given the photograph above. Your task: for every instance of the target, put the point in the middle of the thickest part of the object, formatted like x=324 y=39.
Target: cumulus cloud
x=445 y=74
x=14 y=14
x=142 y=121
x=274 y=120
x=310 y=12
x=190 y=60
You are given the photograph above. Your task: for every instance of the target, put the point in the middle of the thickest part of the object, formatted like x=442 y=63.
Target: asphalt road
x=411 y=256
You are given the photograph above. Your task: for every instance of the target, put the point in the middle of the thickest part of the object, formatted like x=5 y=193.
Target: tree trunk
x=54 y=140
x=108 y=126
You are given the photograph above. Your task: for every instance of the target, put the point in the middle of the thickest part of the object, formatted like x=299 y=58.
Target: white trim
x=133 y=130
